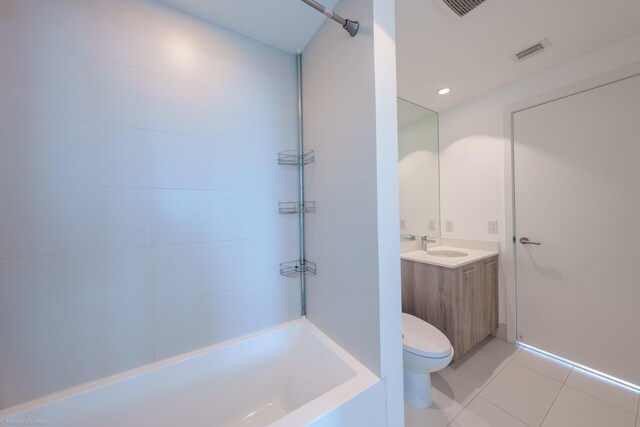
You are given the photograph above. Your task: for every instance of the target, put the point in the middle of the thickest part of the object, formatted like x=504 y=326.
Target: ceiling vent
x=531 y=50
x=462 y=7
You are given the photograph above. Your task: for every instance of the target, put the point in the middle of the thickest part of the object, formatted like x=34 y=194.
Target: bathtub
x=290 y=375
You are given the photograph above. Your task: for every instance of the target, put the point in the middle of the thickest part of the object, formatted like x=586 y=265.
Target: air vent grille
x=462 y=7
x=531 y=50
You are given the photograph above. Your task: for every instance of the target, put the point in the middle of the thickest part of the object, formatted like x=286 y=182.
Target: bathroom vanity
x=456 y=294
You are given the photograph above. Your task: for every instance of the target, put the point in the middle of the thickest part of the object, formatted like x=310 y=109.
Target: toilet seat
x=423 y=339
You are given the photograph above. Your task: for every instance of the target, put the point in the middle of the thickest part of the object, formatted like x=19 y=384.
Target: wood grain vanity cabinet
x=462 y=302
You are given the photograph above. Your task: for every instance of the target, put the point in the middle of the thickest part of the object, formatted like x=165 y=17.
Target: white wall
x=419 y=176
x=350 y=121
x=138 y=188
x=472 y=145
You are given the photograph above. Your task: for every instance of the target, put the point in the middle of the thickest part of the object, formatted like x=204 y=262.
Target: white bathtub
x=290 y=375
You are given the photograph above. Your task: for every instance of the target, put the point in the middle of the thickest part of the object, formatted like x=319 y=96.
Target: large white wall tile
x=181 y=216
x=61 y=355
x=113 y=30
x=37 y=220
x=182 y=106
x=69 y=287
x=74 y=85
x=187 y=162
x=185 y=271
x=185 y=325
x=188 y=48
x=44 y=149
x=190 y=108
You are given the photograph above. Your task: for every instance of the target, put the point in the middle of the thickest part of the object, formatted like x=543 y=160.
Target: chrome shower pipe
x=350 y=26
x=301 y=200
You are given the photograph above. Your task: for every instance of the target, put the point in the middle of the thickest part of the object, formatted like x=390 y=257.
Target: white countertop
x=449 y=262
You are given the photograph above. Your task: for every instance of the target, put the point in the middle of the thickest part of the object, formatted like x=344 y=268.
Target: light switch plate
x=432 y=225
x=449 y=226
x=493 y=227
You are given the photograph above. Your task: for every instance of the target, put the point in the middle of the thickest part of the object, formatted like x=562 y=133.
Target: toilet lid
x=423 y=339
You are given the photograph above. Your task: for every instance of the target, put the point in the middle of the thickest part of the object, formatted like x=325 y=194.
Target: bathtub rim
x=308 y=412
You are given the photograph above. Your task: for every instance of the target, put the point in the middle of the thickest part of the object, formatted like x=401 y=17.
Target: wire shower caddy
x=290 y=208
x=300 y=267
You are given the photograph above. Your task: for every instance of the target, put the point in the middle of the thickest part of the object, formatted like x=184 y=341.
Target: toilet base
x=417 y=390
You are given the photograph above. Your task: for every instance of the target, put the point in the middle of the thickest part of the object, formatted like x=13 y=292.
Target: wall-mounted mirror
x=419 y=170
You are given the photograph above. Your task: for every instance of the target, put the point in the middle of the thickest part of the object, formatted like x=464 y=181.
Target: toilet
x=425 y=350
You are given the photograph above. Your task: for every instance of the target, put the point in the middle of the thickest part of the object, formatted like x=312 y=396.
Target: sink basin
x=447 y=254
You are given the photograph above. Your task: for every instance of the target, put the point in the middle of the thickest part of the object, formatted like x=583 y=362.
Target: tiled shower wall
x=138 y=188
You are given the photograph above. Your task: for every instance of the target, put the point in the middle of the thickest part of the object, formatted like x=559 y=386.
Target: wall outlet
x=449 y=226
x=493 y=227
x=402 y=224
x=432 y=225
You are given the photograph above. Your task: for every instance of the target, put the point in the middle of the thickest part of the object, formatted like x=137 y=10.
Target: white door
x=577 y=193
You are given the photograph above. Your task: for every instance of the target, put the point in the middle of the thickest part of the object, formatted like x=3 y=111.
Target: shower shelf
x=297 y=268
x=288 y=208
x=292 y=157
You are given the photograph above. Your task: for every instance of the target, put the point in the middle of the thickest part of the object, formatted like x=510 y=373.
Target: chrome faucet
x=423 y=242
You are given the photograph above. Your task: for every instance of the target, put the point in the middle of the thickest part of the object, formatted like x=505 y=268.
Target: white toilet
x=426 y=350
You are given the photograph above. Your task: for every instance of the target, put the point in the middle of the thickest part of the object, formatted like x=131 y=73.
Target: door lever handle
x=526 y=241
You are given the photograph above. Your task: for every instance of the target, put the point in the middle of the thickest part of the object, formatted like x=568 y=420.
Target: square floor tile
x=542 y=364
x=481 y=413
x=603 y=389
x=522 y=392
x=475 y=369
x=573 y=408
x=449 y=399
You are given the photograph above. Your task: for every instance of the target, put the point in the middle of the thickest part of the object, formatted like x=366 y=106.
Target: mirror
x=419 y=170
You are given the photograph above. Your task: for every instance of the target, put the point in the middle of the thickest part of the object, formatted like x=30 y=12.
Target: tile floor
x=501 y=385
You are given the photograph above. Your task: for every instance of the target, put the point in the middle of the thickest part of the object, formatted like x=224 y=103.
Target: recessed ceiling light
x=444 y=91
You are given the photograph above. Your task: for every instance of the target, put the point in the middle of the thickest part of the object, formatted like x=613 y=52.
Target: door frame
x=508 y=255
